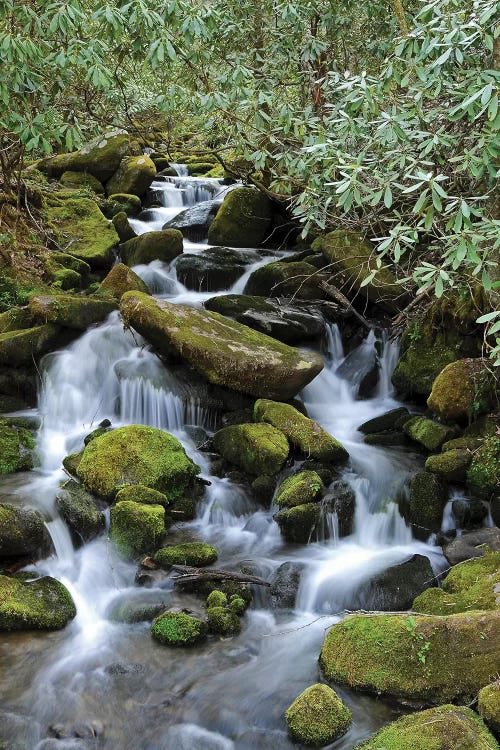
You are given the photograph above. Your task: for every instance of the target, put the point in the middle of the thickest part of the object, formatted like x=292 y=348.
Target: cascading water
x=106 y=684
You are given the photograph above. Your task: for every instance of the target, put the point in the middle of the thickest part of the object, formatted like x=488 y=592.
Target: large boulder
x=463 y=390
x=16 y=448
x=101 y=157
x=303 y=433
x=304 y=487
x=298 y=524
x=214 y=269
x=424 y=659
x=441 y=728
x=21 y=347
x=450 y=465
x=285 y=585
x=243 y=220
x=134 y=176
x=488 y=705
x=70 y=311
x=225 y=352
x=80 y=512
x=122 y=279
x=317 y=716
x=472 y=544
x=164 y=245
x=255 y=448
x=136 y=455
x=428 y=496
x=136 y=528
x=28 y=602
x=78 y=180
x=22 y=531
x=395 y=588
x=194 y=222
x=432 y=435
x=279 y=279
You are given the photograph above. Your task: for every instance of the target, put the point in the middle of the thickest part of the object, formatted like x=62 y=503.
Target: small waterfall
x=181 y=169
x=333 y=344
x=387 y=362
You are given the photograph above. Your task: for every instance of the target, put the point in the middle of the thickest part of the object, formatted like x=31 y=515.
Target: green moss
x=72 y=462
x=243 y=220
x=21 y=531
x=136 y=528
x=122 y=279
x=15 y=319
x=483 y=475
x=164 y=245
x=101 y=157
x=118 y=203
x=62 y=261
x=80 y=512
x=280 y=279
x=123 y=227
x=178 y=629
x=317 y=716
x=256 y=448
x=195 y=554
x=451 y=465
x=461 y=443
x=134 y=176
x=297 y=524
x=428 y=497
x=463 y=390
x=444 y=728
x=216 y=599
x=138 y=493
x=78 y=180
x=200 y=168
x=217 y=172
x=428 y=659
x=489 y=706
x=41 y=604
x=70 y=311
x=66 y=279
x=428 y=433
x=311 y=439
x=232 y=305
x=222 y=621
x=137 y=455
x=19 y=348
x=304 y=487
x=238 y=605
x=16 y=448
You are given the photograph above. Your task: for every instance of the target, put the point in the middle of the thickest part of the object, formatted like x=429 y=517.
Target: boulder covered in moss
x=424 y=659
x=123 y=227
x=139 y=493
x=428 y=496
x=222 y=621
x=280 y=279
x=483 y=474
x=178 y=629
x=317 y=716
x=70 y=311
x=71 y=462
x=472 y=585
x=15 y=319
x=255 y=448
x=136 y=528
x=28 y=602
x=121 y=203
x=16 y=448
x=134 y=176
x=122 y=279
x=427 y=432
x=297 y=524
x=79 y=180
x=488 y=705
x=80 y=512
x=22 y=531
x=193 y=554
x=67 y=272
x=137 y=454
x=303 y=433
x=100 y=157
x=225 y=352
x=301 y=488
x=18 y=348
x=164 y=245
x=243 y=220
x=463 y=390
x=441 y=728
x=451 y=465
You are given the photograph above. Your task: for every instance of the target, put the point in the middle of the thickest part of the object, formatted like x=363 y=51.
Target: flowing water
x=107 y=685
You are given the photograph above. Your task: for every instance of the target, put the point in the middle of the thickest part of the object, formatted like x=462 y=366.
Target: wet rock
x=224 y=351
x=28 y=602
x=341 y=500
x=80 y=512
x=118 y=203
x=318 y=716
x=390 y=438
x=285 y=585
x=263 y=489
x=134 y=175
x=19 y=383
x=298 y=524
x=279 y=279
x=301 y=488
x=470 y=544
x=195 y=221
x=123 y=227
x=198 y=435
x=450 y=465
x=488 y=705
x=101 y=157
x=214 y=269
x=428 y=433
x=194 y=554
x=222 y=621
x=16 y=448
x=463 y=389
x=122 y=279
x=178 y=629
x=131 y=612
x=70 y=311
x=428 y=496
x=21 y=531
x=256 y=448
x=469 y=512
x=18 y=348
x=390 y=420
x=136 y=528
x=243 y=220
x=164 y=245
x=121 y=668
x=395 y=588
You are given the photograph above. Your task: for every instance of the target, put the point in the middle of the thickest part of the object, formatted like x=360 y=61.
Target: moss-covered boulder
x=255 y=448
x=317 y=716
x=18 y=348
x=301 y=488
x=441 y=728
x=125 y=203
x=136 y=528
x=430 y=660
x=297 y=524
x=164 y=245
x=16 y=448
x=463 y=390
x=136 y=455
x=70 y=311
x=222 y=621
x=303 y=433
x=101 y=157
x=80 y=512
x=134 y=176
x=427 y=432
x=450 y=465
x=79 y=180
x=279 y=279
x=66 y=271
x=428 y=496
x=178 y=629
x=138 y=493
x=21 y=531
x=225 y=352
x=216 y=599
x=472 y=585
x=80 y=226
x=122 y=279
x=200 y=168
x=194 y=554
x=488 y=705
x=123 y=227
x=15 y=319
x=71 y=463
x=483 y=474
x=352 y=261
x=243 y=220
x=31 y=603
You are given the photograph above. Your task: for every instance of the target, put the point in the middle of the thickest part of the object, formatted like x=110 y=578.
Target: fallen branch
x=337 y=295
x=189 y=574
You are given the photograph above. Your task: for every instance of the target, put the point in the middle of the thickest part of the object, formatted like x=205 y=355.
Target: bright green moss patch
x=16 y=448
x=298 y=523
x=483 y=475
x=222 y=621
x=136 y=528
x=256 y=448
x=463 y=390
x=122 y=279
x=318 y=716
x=238 y=605
x=178 y=629
x=304 y=487
x=451 y=465
x=19 y=348
x=243 y=220
x=70 y=311
x=195 y=554
x=428 y=433
x=79 y=180
x=164 y=245
x=489 y=705
x=216 y=599
x=138 y=493
x=134 y=175
x=41 y=604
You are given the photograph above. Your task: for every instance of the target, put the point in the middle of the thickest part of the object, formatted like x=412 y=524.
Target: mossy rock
x=178 y=629
x=428 y=496
x=472 y=585
x=303 y=433
x=225 y=352
x=80 y=512
x=298 y=523
x=72 y=462
x=446 y=727
x=193 y=554
x=136 y=528
x=462 y=443
x=483 y=474
x=164 y=245
x=353 y=260
x=255 y=448
x=428 y=433
x=118 y=203
x=137 y=454
x=463 y=390
x=488 y=705
x=200 y=168
x=31 y=603
x=22 y=531
x=70 y=311
x=18 y=348
x=80 y=226
x=123 y=227
x=101 y=157
x=451 y=465
x=67 y=272
x=66 y=279
x=216 y=599
x=280 y=279
x=16 y=448
x=122 y=279
x=222 y=621
x=134 y=176
x=301 y=488
x=317 y=716
x=15 y=319
x=425 y=659
x=237 y=604
x=243 y=220
x=138 y=493
x=79 y=180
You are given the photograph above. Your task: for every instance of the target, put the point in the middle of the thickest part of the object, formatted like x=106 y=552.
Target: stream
x=99 y=684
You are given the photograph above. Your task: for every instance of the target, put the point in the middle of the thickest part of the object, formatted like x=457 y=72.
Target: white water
x=229 y=693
